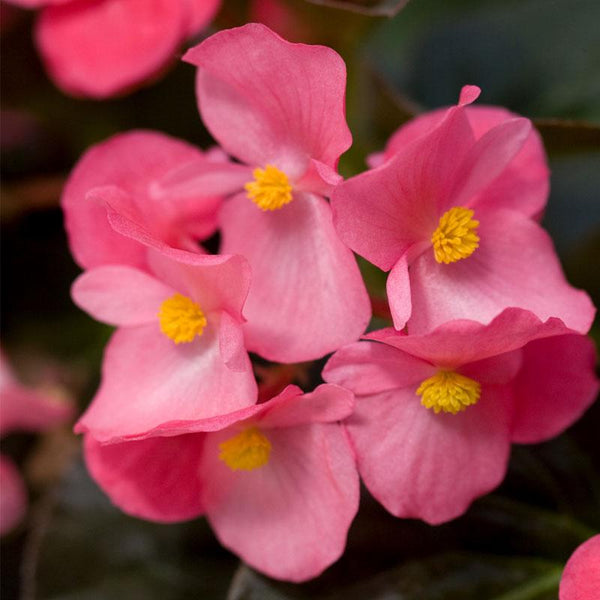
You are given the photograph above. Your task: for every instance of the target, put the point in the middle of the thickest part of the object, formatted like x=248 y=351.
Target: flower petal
x=289 y=518
x=429 y=466
x=581 y=577
x=267 y=101
x=515 y=265
x=148 y=381
x=155 y=479
x=84 y=60
x=125 y=167
x=555 y=385
x=307 y=296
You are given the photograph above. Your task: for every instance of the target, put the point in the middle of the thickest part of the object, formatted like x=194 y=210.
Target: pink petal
x=461 y=342
x=267 y=101
x=231 y=343
x=429 y=466
x=307 y=296
x=486 y=160
x=383 y=213
x=398 y=293
x=289 y=518
x=515 y=265
x=327 y=403
x=27 y=409
x=155 y=479
x=581 y=577
x=523 y=185
x=148 y=380
x=85 y=60
x=555 y=386
x=120 y=295
x=468 y=94
x=200 y=13
x=129 y=164
x=370 y=368
x=13 y=496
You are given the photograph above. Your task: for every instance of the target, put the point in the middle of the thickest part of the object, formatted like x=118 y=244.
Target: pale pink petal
x=523 y=185
x=202 y=177
x=98 y=48
x=486 y=160
x=307 y=296
x=429 y=466
x=468 y=94
x=514 y=266
x=370 y=368
x=129 y=164
x=267 y=101
x=216 y=281
x=555 y=386
x=460 y=342
x=581 y=577
x=148 y=380
x=200 y=13
x=289 y=518
x=327 y=403
x=155 y=479
x=383 y=213
x=231 y=343
x=120 y=295
x=13 y=496
x=398 y=293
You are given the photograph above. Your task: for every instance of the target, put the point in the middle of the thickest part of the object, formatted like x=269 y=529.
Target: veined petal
x=268 y=101
x=307 y=296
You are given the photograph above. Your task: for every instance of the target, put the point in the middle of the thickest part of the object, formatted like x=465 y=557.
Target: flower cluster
x=488 y=345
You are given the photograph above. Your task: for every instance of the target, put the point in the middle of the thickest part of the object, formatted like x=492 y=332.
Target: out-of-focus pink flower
x=21 y=409
x=454 y=252
x=279 y=108
x=122 y=172
x=99 y=48
x=179 y=351
x=436 y=413
x=581 y=577
x=276 y=480
x=283 y=19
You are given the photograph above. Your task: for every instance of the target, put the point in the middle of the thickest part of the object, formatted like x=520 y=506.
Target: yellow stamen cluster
x=270 y=189
x=449 y=392
x=456 y=236
x=181 y=319
x=246 y=451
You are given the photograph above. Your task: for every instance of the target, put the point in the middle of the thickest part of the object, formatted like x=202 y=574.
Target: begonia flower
x=277 y=481
x=21 y=409
x=452 y=252
x=581 y=576
x=99 y=48
x=278 y=108
x=178 y=352
x=436 y=413
x=121 y=172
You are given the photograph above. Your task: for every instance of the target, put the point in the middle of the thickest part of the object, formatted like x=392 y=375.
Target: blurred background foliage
x=539 y=58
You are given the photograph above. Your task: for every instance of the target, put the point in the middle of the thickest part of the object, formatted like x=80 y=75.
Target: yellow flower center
x=181 y=319
x=270 y=189
x=245 y=451
x=456 y=236
x=448 y=391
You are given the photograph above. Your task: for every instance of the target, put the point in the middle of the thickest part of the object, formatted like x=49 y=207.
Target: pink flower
x=179 y=351
x=99 y=48
x=122 y=172
x=445 y=215
x=436 y=413
x=581 y=577
x=23 y=409
x=276 y=480
x=279 y=108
